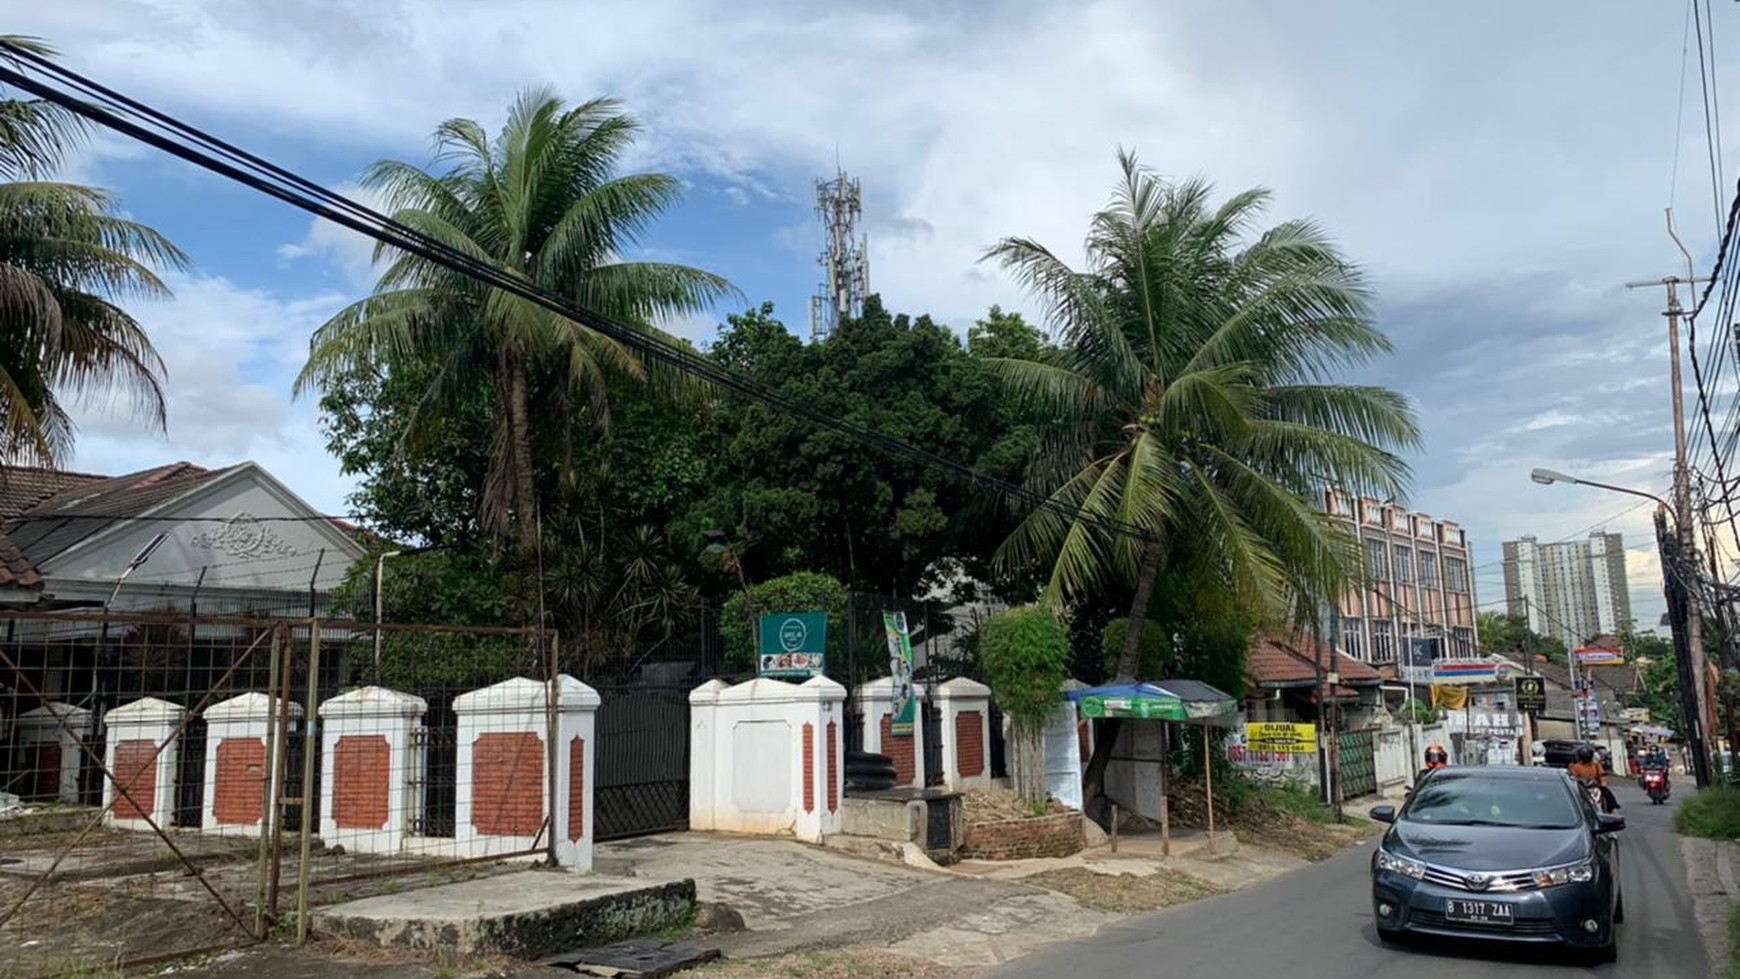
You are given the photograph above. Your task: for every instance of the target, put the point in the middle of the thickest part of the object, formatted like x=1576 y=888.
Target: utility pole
x=1679 y=601
x=1686 y=551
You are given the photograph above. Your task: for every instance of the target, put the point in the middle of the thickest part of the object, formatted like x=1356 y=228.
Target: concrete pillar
x=1062 y=747
x=965 y=706
x=372 y=766
x=238 y=772
x=777 y=751
x=53 y=752
x=704 y=751
x=877 y=700
x=142 y=754
x=502 y=790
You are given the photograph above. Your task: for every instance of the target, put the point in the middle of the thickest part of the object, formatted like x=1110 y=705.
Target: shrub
x=1713 y=812
x=805 y=591
x=1025 y=652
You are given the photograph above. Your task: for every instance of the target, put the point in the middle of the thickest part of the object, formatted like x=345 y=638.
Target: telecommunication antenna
x=845 y=258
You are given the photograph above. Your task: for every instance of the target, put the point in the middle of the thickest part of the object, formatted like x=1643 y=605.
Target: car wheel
x=1390 y=936
x=1619 y=908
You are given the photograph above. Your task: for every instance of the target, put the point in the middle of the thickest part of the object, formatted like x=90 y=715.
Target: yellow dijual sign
x=1285 y=739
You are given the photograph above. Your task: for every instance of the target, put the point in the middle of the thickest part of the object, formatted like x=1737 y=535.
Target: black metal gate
x=1358 y=763
x=933 y=754
x=642 y=772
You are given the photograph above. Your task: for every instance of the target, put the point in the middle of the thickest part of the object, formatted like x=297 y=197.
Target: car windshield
x=1458 y=799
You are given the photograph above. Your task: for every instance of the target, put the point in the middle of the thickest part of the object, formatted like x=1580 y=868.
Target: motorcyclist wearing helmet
x=1436 y=757
x=1587 y=769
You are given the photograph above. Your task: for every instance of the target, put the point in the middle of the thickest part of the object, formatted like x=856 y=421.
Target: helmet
x=1585 y=754
x=1436 y=755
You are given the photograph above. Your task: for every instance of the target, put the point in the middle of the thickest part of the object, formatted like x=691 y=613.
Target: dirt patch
x=835 y=965
x=1302 y=838
x=1125 y=893
x=87 y=927
x=998 y=806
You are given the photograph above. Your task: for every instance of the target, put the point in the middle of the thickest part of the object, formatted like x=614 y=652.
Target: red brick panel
x=899 y=751
x=1058 y=835
x=1081 y=735
x=576 y=790
x=45 y=771
x=809 y=768
x=136 y=772
x=362 y=773
x=834 y=767
x=507 y=784
x=241 y=782
x=969 y=744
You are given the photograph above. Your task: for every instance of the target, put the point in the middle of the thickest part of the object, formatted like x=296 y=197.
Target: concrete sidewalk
x=1713 y=873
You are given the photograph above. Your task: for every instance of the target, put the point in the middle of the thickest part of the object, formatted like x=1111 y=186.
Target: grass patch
x=1255 y=798
x=1713 y=812
x=1124 y=893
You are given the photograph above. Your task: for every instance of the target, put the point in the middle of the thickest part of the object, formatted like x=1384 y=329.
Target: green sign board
x=900 y=668
x=793 y=644
x=1139 y=708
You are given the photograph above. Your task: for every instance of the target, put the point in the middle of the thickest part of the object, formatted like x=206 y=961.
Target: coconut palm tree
x=543 y=203
x=66 y=262
x=1192 y=405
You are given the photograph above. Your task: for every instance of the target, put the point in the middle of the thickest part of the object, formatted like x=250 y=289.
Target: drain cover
x=637 y=959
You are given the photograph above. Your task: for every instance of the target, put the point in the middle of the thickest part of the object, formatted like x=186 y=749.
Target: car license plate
x=1478 y=912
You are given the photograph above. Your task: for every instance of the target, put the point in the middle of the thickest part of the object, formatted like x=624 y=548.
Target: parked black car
x=1504 y=853
x=1560 y=754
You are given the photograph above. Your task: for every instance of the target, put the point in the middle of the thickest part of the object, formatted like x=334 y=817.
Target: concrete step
x=532 y=913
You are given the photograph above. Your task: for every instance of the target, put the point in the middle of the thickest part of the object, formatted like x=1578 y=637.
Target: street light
x=1547 y=477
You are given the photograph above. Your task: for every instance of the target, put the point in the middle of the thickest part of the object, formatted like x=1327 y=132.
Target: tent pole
x=1208 y=779
x=1165 y=816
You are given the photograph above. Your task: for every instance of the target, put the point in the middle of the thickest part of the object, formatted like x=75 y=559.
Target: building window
x=1404 y=565
x=1377 y=560
x=1383 y=642
x=1428 y=569
x=1353 y=638
x=1462 y=641
x=1456 y=574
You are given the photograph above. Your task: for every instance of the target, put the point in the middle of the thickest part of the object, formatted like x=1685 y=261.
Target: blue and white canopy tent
x=1170 y=702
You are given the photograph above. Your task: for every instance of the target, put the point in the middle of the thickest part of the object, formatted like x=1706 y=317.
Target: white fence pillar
x=53 y=751
x=708 y=755
x=965 y=706
x=238 y=774
x=777 y=760
x=906 y=751
x=142 y=755
x=372 y=765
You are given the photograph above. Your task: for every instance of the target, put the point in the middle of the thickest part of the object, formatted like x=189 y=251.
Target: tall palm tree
x=66 y=262
x=1192 y=405
x=543 y=203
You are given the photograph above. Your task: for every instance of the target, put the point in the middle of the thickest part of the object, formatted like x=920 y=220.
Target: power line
x=106 y=107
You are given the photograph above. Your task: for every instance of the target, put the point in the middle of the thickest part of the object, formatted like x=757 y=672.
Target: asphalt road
x=1316 y=923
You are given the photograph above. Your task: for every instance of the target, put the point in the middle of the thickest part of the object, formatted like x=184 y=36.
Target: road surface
x=1316 y=923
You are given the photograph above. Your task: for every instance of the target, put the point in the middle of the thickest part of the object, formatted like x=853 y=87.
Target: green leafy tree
x=542 y=202
x=1025 y=652
x=1191 y=402
x=803 y=591
x=67 y=262
x=1002 y=334
x=1510 y=635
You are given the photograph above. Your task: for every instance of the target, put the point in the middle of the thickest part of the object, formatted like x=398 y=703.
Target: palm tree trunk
x=519 y=432
x=1129 y=659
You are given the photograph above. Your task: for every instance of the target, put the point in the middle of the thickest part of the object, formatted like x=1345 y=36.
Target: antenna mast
x=844 y=260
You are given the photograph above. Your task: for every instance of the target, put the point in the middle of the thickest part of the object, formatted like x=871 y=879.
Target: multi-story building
x=1418 y=584
x=1570 y=590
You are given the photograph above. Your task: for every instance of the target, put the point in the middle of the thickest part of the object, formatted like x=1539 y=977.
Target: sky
x=1500 y=170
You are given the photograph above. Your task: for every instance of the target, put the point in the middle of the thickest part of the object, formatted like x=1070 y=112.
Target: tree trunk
x=1030 y=764
x=520 y=445
x=1129 y=660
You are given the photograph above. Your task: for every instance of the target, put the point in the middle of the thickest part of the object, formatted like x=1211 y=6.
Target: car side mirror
x=1608 y=823
x=1387 y=814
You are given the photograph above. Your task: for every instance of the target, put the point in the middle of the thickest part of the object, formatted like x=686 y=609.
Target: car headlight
x=1578 y=873
x=1400 y=865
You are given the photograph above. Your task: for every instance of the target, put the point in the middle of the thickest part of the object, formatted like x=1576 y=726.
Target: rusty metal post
x=310 y=745
x=280 y=774
x=552 y=700
x=267 y=869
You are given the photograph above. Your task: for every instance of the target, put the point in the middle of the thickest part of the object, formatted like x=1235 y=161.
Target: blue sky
x=1500 y=170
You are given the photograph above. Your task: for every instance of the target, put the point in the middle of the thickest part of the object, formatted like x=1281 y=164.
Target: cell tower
x=844 y=260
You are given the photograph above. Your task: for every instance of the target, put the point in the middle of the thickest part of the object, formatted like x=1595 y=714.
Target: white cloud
x=230 y=355
x=351 y=253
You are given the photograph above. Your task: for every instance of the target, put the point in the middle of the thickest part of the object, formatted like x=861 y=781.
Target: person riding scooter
x=1652 y=775
x=1588 y=771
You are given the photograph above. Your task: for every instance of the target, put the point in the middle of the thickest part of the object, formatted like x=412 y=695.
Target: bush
x=1713 y=812
x=1247 y=796
x=805 y=591
x=1025 y=652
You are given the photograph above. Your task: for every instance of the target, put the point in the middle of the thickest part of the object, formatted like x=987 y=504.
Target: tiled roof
x=15 y=569
x=83 y=510
x=1275 y=663
x=22 y=487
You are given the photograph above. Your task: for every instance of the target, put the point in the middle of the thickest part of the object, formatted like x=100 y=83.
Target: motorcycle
x=1597 y=798
x=1655 y=783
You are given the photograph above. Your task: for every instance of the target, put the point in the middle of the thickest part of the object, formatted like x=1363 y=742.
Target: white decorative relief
x=243 y=535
